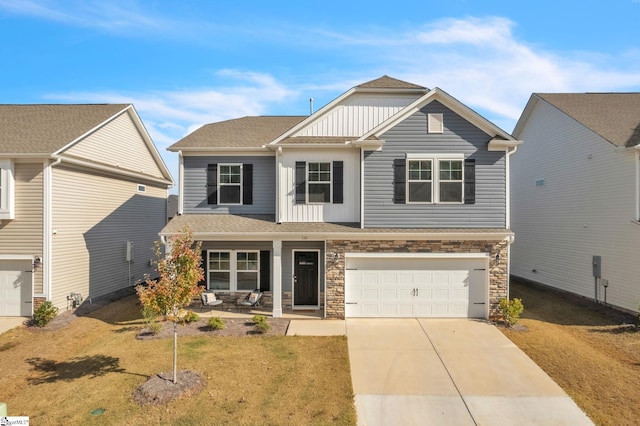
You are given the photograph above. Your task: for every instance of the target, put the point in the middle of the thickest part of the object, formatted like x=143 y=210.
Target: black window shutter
x=247 y=184
x=265 y=270
x=338 y=182
x=212 y=184
x=469 y=181
x=301 y=182
x=399 y=181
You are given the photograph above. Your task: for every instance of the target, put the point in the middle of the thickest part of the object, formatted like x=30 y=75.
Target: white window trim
x=435 y=176
x=220 y=184
x=408 y=181
x=233 y=270
x=7 y=191
x=330 y=182
x=435 y=123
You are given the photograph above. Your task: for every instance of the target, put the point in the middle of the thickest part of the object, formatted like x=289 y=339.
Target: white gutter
x=110 y=169
x=509 y=152
x=180 y=183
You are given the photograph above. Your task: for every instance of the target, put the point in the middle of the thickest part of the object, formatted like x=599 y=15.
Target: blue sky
x=186 y=63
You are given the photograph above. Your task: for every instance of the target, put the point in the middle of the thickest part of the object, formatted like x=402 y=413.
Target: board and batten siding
x=195 y=185
x=119 y=144
x=411 y=137
x=347 y=211
x=358 y=114
x=23 y=235
x=573 y=197
x=93 y=217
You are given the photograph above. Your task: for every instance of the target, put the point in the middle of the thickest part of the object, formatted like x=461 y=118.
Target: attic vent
x=435 y=123
x=142 y=188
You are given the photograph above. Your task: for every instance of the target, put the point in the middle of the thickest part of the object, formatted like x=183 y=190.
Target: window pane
x=420 y=192
x=450 y=170
x=229 y=174
x=451 y=191
x=319 y=172
x=247 y=280
x=219 y=280
x=230 y=194
x=319 y=193
x=420 y=170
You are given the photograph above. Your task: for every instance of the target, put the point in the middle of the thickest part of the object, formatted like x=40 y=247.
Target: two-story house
x=392 y=200
x=83 y=195
x=576 y=198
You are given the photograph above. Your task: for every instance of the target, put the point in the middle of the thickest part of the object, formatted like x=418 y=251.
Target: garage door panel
x=444 y=290
x=15 y=288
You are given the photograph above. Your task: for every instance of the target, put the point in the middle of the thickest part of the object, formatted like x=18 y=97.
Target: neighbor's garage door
x=415 y=287
x=15 y=288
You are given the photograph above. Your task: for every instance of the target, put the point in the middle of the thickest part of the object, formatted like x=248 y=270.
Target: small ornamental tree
x=179 y=273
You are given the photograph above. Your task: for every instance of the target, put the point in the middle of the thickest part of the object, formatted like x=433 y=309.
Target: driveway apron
x=449 y=372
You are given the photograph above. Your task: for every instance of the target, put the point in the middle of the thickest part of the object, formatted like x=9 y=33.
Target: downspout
x=508 y=216
x=180 y=182
x=47 y=227
x=278 y=179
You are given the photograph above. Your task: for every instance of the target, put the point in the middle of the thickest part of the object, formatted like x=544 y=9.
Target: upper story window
x=6 y=190
x=230 y=183
x=319 y=182
x=437 y=179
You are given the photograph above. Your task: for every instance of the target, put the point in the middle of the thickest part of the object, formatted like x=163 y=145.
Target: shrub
x=44 y=314
x=260 y=323
x=511 y=310
x=154 y=327
x=189 y=317
x=215 y=323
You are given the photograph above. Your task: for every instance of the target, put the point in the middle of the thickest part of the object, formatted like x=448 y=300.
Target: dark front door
x=305 y=278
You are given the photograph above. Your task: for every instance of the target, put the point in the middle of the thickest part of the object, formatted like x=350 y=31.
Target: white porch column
x=277 y=279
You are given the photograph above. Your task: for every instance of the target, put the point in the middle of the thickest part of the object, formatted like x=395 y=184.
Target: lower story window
x=234 y=270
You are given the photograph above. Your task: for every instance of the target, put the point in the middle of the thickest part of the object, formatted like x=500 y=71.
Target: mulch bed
x=234 y=327
x=160 y=388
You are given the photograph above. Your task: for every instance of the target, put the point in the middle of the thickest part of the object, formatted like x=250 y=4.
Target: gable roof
x=45 y=129
x=614 y=116
x=245 y=132
x=386 y=82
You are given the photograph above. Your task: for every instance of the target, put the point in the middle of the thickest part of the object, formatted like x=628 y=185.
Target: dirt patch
x=234 y=327
x=160 y=389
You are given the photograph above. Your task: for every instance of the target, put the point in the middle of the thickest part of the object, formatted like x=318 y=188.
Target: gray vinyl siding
x=23 y=235
x=460 y=137
x=195 y=185
x=93 y=218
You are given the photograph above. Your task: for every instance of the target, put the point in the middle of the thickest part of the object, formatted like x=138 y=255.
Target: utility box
x=597 y=266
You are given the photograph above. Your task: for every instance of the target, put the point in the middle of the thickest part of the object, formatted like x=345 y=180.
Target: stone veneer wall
x=498 y=279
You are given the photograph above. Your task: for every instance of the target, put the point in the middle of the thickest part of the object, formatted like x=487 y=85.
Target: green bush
x=189 y=317
x=44 y=314
x=511 y=310
x=215 y=323
x=260 y=323
x=154 y=327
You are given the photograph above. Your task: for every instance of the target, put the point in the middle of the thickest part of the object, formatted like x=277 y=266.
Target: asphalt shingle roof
x=614 y=116
x=245 y=132
x=44 y=129
x=386 y=82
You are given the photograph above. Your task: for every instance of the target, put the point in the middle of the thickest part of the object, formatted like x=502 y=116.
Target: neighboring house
x=83 y=195
x=576 y=195
x=392 y=200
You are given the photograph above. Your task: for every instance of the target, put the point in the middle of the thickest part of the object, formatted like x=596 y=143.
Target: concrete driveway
x=449 y=372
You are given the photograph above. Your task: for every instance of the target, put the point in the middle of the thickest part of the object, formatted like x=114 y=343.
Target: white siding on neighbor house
x=93 y=218
x=118 y=143
x=582 y=205
x=23 y=235
x=348 y=211
x=357 y=114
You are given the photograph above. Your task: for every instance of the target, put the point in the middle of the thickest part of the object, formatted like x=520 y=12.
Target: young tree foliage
x=179 y=272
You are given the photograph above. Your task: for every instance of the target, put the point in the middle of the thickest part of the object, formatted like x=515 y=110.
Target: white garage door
x=416 y=287
x=15 y=288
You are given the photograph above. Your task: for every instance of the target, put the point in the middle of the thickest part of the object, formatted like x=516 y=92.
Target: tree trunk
x=175 y=353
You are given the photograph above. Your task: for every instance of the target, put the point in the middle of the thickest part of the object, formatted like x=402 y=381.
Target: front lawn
x=95 y=362
x=591 y=351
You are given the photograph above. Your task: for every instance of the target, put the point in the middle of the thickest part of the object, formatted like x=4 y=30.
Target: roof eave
x=502 y=144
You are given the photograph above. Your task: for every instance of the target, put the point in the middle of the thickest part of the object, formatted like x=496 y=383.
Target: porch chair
x=209 y=299
x=250 y=300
